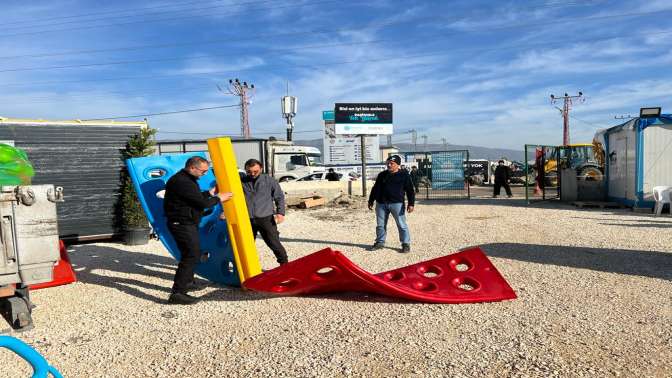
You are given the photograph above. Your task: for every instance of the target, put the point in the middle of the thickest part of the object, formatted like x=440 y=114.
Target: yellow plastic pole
x=237 y=218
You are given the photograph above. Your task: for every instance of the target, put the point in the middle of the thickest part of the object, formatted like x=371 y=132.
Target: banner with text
x=358 y=119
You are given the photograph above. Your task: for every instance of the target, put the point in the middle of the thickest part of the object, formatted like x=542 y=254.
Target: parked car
x=322 y=176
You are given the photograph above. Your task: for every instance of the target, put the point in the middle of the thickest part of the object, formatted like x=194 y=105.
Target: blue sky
x=474 y=72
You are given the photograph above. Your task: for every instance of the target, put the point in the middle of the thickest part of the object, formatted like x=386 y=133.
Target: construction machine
x=581 y=157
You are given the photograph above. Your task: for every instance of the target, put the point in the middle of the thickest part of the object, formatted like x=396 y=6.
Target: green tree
x=139 y=145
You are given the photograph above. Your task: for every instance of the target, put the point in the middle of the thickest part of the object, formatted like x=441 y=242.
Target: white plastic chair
x=662 y=196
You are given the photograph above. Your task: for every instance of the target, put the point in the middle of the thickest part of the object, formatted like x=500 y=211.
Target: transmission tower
x=567 y=105
x=445 y=143
x=245 y=91
x=424 y=142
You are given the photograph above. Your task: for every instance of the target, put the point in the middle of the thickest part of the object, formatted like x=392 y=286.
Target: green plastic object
x=15 y=169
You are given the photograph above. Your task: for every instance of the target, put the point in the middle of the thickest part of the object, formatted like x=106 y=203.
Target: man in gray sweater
x=266 y=207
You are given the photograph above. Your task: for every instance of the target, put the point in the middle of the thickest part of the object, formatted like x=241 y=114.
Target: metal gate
x=441 y=174
x=542 y=172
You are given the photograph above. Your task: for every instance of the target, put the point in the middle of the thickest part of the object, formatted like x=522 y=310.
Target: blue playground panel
x=217 y=261
x=41 y=368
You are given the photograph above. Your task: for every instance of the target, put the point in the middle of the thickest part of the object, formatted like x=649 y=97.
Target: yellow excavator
x=582 y=157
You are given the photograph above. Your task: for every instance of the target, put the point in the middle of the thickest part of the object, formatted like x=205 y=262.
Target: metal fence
x=542 y=177
x=441 y=174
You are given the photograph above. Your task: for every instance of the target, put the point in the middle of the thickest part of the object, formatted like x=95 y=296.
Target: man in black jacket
x=266 y=207
x=388 y=193
x=183 y=204
x=332 y=175
x=502 y=177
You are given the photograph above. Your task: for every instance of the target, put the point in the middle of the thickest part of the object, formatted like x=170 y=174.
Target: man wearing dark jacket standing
x=266 y=207
x=388 y=193
x=502 y=177
x=184 y=204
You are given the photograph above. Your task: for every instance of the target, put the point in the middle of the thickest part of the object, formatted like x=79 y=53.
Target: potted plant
x=134 y=221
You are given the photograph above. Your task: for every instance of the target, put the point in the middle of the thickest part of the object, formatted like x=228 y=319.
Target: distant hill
x=475 y=152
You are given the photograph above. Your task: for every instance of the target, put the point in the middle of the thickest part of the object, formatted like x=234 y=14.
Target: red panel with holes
x=63 y=272
x=464 y=277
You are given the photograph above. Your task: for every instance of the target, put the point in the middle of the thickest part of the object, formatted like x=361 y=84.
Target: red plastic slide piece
x=464 y=277
x=63 y=272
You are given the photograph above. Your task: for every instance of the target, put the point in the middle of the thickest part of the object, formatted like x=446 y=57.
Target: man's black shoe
x=405 y=248
x=182 y=298
x=195 y=286
x=377 y=246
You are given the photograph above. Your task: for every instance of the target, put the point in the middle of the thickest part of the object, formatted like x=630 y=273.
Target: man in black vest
x=388 y=193
x=184 y=204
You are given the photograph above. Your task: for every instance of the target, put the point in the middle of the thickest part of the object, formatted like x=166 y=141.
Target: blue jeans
x=398 y=211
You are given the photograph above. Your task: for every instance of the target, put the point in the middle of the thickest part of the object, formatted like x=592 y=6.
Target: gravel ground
x=594 y=287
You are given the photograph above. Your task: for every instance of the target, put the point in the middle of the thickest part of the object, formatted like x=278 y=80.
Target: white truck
x=282 y=160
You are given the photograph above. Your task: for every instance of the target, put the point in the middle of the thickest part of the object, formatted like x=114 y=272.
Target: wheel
x=590 y=174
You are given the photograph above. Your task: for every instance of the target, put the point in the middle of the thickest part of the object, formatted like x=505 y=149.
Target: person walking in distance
x=266 y=207
x=388 y=193
x=415 y=178
x=183 y=205
x=502 y=177
x=332 y=175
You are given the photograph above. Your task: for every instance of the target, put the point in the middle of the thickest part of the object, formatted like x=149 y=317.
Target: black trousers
x=498 y=186
x=188 y=242
x=268 y=229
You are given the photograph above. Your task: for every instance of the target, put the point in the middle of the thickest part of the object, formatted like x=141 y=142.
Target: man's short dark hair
x=331 y=169
x=195 y=161
x=252 y=163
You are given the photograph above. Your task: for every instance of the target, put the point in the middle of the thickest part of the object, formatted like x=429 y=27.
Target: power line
x=317 y=65
x=324 y=31
x=31 y=23
x=163 y=113
x=182 y=4
x=164 y=19
x=82 y=15
x=587 y=122
x=235 y=136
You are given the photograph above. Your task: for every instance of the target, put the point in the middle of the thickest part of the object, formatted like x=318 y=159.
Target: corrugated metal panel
x=657 y=158
x=86 y=160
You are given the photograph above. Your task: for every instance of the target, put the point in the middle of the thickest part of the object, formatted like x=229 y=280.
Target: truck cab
x=291 y=162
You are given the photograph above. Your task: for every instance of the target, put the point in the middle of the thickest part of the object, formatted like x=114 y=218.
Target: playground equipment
x=41 y=368
x=231 y=257
x=463 y=277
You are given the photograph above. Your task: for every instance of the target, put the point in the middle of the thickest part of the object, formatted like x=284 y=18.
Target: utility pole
x=567 y=105
x=445 y=144
x=414 y=139
x=245 y=91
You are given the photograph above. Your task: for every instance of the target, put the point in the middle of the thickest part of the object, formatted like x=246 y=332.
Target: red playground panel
x=63 y=272
x=464 y=277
